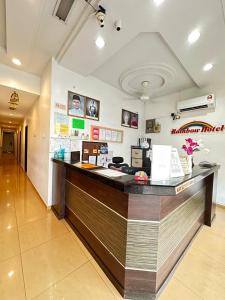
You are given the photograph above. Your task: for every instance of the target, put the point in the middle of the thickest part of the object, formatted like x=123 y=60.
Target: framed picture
x=92 y=109
x=150 y=126
x=126 y=118
x=134 y=120
x=76 y=105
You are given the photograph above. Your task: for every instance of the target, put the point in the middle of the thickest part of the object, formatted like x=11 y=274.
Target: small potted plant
x=190 y=147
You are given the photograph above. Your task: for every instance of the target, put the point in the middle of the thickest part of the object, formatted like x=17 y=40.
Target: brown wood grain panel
x=110 y=228
x=171 y=262
x=113 y=269
x=170 y=203
x=144 y=207
x=210 y=205
x=155 y=208
x=58 y=190
x=111 y=197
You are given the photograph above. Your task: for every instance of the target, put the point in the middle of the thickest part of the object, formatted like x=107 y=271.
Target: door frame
x=26 y=148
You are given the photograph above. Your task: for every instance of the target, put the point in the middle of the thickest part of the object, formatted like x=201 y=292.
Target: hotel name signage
x=198 y=127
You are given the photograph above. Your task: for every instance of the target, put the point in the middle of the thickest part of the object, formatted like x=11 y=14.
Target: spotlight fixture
x=16 y=61
x=101 y=16
x=144 y=97
x=145 y=83
x=118 y=25
x=194 y=36
x=175 y=116
x=100 y=43
x=207 y=67
x=158 y=2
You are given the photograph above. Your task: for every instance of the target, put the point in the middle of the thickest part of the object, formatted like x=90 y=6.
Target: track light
x=118 y=25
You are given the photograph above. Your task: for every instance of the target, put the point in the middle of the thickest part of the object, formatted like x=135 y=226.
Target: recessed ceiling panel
x=147 y=58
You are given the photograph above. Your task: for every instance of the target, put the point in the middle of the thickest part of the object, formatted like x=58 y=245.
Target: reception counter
x=137 y=231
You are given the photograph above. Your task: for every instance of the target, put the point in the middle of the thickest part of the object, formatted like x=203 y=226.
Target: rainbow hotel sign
x=198 y=127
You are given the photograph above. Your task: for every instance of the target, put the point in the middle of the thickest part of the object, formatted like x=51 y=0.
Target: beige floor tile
x=202 y=274
x=67 y=225
x=11 y=280
x=175 y=290
x=210 y=244
x=84 y=249
x=83 y=284
x=45 y=229
x=7 y=220
x=106 y=280
x=220 y=215
x=6 y=205
x=9 y=244
x=29 y=211
x=50 y=262
x=217 y=228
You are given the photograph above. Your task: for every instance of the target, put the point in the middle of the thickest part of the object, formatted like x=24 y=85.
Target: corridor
x=42 y=259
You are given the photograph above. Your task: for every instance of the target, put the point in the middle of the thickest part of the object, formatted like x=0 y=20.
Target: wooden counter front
x=137 y=238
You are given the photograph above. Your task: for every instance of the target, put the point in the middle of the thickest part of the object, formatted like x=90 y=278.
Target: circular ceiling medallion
x=145 y=83
x=146 y=80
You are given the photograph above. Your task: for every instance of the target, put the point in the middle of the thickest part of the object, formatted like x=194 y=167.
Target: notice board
x=105 y=134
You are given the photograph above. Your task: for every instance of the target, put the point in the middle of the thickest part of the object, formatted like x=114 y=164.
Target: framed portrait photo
x=134 y=120
x=150 y=126
x=92 y=109
x=76 y=105
x=126 y=118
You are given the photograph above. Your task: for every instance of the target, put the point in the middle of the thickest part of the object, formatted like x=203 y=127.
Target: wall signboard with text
x=196 y=127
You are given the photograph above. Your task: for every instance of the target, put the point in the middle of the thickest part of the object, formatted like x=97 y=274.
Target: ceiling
x=154 y=63
x=14 y=117
x=32 y=33
x=152 y=44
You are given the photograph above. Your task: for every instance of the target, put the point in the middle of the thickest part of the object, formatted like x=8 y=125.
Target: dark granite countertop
x=127 y=183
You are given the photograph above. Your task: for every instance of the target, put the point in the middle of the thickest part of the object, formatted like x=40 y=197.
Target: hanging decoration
x=14 y=101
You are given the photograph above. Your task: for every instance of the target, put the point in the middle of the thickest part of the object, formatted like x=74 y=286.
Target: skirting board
x=220 y=205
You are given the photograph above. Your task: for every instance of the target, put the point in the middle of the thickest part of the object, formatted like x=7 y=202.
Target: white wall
x=38 y=121
x=111 y=103
x=164 y=106
x=111 y=99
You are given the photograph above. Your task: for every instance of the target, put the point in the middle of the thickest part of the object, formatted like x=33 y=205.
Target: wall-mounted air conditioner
x=205 y=104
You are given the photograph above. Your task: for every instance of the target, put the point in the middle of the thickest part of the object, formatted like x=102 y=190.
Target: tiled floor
x=41 y=258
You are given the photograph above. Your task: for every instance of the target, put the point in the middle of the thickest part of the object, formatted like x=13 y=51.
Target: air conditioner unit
x=205 y=104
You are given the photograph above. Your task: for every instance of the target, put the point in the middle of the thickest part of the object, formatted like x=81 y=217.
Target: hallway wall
x=38 y=121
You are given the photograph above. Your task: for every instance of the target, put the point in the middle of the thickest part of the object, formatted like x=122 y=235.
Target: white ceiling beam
x=83 y=18
x=16 y=79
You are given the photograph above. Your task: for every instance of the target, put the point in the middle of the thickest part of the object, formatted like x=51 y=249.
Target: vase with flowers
x=190 y=147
